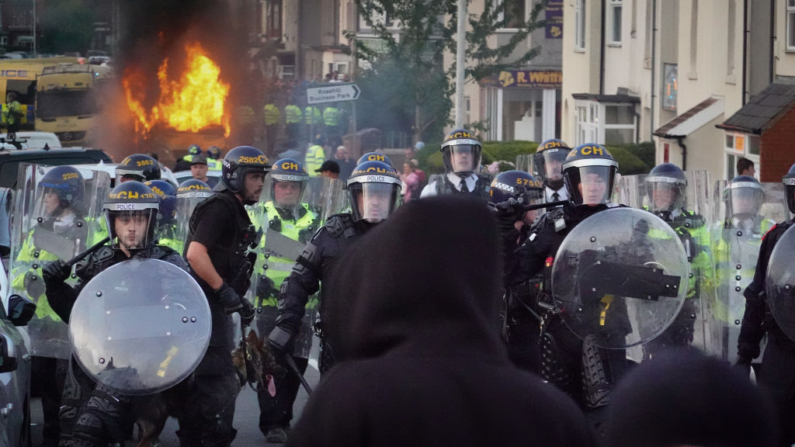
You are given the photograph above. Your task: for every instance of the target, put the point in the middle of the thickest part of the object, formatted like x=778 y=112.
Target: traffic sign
x=332 y=93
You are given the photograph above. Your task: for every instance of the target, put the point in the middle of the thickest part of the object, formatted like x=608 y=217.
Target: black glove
x=743 y=365
x=246 y=312
x=507 y=214
x=229 y=299
x=280 y=340
x=266 y=288
x=56 y=272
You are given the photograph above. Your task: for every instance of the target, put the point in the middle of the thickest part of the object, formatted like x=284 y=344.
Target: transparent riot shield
x=524 y=162
x=140 y=326
x=615 y=277
x=690 y=217
x=187 y=201
x=57 y=214
x=289 y=219
x=736 y=238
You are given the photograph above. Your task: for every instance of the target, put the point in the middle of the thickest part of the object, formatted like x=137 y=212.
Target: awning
x=764 y=109
x=692 y=120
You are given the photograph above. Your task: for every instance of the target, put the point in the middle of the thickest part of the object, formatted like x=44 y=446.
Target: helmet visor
x=285 y=194
x=745 y=201
x=462 y=158
x=590 y=185
x=548 y=164
x=373 y=202
x=132 y=229
x=665 y=196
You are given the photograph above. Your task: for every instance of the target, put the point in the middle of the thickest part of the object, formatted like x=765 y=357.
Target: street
x=246 y=417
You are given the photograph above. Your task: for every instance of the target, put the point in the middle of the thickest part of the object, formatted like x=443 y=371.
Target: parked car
x=11 y=158
x=33 y=140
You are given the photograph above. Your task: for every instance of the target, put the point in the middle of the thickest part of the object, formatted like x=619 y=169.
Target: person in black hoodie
x=420 y=359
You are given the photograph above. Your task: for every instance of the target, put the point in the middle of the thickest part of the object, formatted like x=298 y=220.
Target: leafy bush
x=628 y=162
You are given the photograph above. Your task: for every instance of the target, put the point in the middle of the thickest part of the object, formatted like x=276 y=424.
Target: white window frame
x=592 y=130
x=790 y=24
x=501 y=16
x=612 y=5
x=579 y=25
x=744 y=152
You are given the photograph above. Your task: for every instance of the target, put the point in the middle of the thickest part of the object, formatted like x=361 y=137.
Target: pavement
x=246 y=416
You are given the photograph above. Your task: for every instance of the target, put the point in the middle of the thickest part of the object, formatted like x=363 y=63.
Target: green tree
x=67 y=25
x=406 y=73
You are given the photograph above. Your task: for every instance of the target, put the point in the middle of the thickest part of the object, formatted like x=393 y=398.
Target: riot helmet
x=789 y=187
x=139 y=168
x=374 y=156
x=194 y=150
x=520 y=186
x=665 y=187
x=461 y=152
x=61 y=188
x=167 y=196
x=373 y=190
x=287 y=183
x=131 y=211
x=193 y=188
x=214 y=152
x=238 y=164
x=548 y=161
x=743 y=197
x=589 y=173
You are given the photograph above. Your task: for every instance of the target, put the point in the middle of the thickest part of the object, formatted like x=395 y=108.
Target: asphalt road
x=246 y=417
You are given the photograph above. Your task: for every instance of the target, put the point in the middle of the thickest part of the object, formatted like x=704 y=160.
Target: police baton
x=538 y=206
x=291 y=363
x=87 y=252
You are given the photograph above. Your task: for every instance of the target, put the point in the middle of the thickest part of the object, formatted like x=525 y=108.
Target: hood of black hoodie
x=426 y=281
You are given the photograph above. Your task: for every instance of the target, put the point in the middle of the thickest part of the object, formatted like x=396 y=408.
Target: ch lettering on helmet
x=260 y=160
x=370 y=169
x=145 y=163
x=375 y=157
x=193 y=187
x=462 y=134
x=131 y=195
x=289 y=165
x=157 y=191
x=552 y=144
x=70 y=175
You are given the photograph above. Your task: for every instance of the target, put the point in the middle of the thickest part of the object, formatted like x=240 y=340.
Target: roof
x=692 y=120
x=615 y=99
x=764 y=109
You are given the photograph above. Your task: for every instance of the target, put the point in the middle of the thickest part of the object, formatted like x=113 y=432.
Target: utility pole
x=460 y=65
x=34 y=28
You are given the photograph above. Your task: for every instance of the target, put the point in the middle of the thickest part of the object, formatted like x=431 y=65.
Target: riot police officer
x=547 y=163
x=509 y=192
x=220 y=240
x=287 y=214
x=91 y=414
x=214 y=161
x=589 y=173
x=779 y=357
x=138 y=167
x=373 y=191
x=62 y=210
x=166 y=229
x=461 y=153
x=666 y=190
x=193 y=151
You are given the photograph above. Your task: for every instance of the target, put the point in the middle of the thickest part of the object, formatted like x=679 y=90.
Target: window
x=579 y=25
x=274 y=31
x=790 y=25
x=740 y=145
x=731 y=28
x=605 y=123
x=512 y=12
x=693 y=39
x=670 y=86
x=614 y=9
x=754 y=144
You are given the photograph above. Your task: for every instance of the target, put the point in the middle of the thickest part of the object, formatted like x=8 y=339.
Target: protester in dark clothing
x=345 y=162
x=423 y=364
x=684 y=398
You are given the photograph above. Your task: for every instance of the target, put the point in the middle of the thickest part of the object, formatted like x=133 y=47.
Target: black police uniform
x=446 y=187
x=778 y=363
x=315 y=264
x=221 y=224
x=91 y=414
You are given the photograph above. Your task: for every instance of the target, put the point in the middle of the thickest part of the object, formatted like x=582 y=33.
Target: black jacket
x=411 y=317
x=757 y=317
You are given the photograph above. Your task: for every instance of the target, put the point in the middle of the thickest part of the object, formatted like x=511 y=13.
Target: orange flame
x=192 y=103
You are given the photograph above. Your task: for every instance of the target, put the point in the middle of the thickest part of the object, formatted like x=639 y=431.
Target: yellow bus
x=67 y=104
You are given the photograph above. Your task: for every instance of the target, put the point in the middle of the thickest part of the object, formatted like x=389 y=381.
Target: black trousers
x=48 y=375
x=209 y=410
x=778 y=380
x=277 y=411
